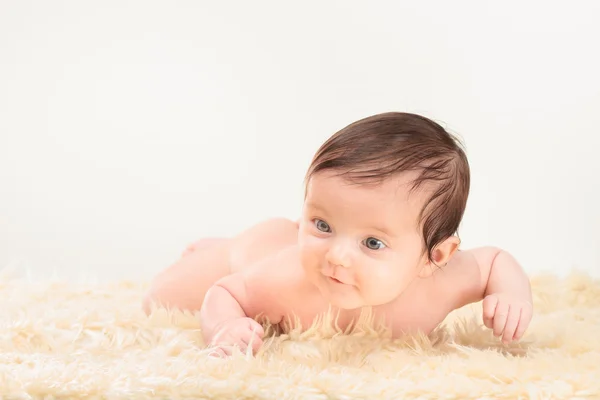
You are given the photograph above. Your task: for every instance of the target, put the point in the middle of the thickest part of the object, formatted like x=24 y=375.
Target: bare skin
x=342 y=253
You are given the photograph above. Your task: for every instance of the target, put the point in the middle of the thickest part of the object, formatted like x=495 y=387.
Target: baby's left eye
x=374 y=244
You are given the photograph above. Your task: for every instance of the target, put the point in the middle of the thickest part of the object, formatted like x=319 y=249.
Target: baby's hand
x=238 y=332
x=507 y=314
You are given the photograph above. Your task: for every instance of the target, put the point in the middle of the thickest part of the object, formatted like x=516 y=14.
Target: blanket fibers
x=61 y=340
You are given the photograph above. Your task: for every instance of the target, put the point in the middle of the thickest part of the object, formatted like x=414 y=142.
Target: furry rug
x=78 y=341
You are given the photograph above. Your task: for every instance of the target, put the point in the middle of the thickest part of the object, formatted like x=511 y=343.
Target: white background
x=129 y=129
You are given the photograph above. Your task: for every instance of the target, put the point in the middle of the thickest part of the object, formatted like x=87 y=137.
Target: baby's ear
x=441 y=254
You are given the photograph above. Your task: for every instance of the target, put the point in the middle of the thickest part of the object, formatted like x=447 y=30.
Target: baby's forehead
x=393 y=197
x=397 y=189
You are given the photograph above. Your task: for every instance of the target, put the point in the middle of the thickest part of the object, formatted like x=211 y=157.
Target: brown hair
x=380 y=146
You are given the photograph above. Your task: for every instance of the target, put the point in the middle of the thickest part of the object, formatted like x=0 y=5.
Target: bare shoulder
x=273 y=285
x=462 y=281
x=428 y=301
x=261 y=241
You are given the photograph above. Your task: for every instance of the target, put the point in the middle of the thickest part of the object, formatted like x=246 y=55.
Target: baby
x=383 y=201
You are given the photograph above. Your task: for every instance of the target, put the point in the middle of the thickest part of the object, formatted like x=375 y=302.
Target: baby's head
x=384 y=199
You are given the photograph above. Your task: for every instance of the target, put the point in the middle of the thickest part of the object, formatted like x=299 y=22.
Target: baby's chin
x=341 y=298
x=343 y=302
x=355 y=301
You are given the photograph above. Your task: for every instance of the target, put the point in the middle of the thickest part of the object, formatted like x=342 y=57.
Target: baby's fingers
x=524 y=321
x=253 y=341
x=220 y=351
x=500 y=317
x=256 y=328
x=489 y=308
x=253 y=337
x=512 y=321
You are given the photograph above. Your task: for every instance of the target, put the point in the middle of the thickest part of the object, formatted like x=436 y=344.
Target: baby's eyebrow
x=315 y=206
x=384 y=230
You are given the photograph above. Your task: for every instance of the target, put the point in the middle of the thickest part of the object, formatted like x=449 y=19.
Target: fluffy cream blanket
x=77 y=341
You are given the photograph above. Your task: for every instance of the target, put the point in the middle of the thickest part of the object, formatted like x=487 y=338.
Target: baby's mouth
x=336 y=281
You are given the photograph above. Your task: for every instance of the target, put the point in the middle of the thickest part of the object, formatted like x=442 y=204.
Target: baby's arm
x=232 y=303
x=508 y=301
x=493 y=275
x=223 y=319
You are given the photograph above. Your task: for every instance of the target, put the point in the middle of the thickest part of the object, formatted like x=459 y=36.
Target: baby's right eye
x=322 y=225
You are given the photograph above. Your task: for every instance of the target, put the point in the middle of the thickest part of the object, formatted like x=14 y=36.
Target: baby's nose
x=340 y=255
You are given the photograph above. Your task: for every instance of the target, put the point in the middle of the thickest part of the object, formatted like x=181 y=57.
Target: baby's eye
x=322 y=225
x=374 y=244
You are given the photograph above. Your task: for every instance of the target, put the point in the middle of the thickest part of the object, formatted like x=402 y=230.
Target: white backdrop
x=129 y=129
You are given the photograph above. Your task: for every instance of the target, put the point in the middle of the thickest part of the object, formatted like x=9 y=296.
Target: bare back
x=183 y=284
x=261 y=241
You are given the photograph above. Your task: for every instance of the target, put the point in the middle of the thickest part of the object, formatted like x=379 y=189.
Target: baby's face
x=360 y=245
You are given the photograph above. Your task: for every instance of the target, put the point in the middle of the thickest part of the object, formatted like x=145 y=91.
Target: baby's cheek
x=308 y=255
x=384 y=277
x=304 y=259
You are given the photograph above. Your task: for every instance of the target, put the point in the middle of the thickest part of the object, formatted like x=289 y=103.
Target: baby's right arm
x=223 y=319
x=231 y=304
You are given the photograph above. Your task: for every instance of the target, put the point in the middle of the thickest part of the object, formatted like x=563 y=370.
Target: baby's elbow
x=150 y=300
x=159 y=294
x=146 y=305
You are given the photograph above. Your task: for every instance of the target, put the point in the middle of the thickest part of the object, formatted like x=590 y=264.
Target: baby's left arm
x=503 y=286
